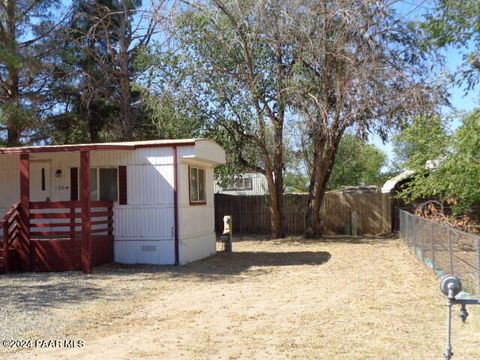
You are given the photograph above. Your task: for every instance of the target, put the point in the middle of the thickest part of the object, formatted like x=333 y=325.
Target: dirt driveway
x=362 y=299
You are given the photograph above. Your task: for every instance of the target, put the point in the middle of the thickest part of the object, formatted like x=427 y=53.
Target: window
x=197 y=185
x=103 y=184
x=240 y=184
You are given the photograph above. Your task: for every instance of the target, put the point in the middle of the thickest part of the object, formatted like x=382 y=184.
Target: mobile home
x=71 y=207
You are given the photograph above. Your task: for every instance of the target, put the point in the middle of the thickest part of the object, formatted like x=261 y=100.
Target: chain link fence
x=445 y=249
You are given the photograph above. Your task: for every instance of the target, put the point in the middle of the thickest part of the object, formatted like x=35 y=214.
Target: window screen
x=197 y=185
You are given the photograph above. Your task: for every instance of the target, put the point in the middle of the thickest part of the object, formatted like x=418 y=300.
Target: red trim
x=143 y=146
x=86 y=254
x=193 y=203
x=25 y=203
x=73 y=183
x=87 y=147
x=175 y=205
x=66 y=148
x=122 y=185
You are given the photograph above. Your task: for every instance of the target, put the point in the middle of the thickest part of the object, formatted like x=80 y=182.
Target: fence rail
x=445 y=249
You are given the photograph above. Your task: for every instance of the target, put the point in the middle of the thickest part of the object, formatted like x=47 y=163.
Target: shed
x=70 y=207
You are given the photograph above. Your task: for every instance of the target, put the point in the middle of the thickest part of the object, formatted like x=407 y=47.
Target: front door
x=40 y=181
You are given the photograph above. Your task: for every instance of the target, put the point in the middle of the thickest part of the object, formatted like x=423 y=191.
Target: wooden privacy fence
x=251 y=214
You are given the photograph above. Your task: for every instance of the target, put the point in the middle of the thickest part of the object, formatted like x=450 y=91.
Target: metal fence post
x=422 y=230
x=449 y=232
x=433 y=246
x=478 y=262
x=414 y=233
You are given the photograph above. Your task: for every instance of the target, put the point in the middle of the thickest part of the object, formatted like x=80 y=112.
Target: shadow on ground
x=298 y=239
x=223 y=264
x=44 y=290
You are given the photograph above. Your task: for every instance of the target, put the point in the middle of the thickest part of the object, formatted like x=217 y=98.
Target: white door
x=40 y=181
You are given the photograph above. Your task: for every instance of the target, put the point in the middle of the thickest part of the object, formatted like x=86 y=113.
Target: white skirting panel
x=197 y=247
x=145 y=252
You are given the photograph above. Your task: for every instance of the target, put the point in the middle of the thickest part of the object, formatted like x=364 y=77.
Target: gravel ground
x=341 y=299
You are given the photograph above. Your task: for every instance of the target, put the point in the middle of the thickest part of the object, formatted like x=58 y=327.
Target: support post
x=478 y=262
x=86 y=250
x=175 y=206
x=26 y=251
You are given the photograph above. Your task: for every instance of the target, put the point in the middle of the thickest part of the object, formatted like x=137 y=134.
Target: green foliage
x=27 y=52
x=295 y=182
x=164 y=119
x=455 y=158
x=356 y=163
x=425 y=139
x=459 y=176
x=457 y=23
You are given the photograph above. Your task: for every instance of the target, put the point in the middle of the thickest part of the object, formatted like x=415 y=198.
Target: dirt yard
x=338 y=299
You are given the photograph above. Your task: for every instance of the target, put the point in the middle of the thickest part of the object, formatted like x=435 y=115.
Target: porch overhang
x=99 y=146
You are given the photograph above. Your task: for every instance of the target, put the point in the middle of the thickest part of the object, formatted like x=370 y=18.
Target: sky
x=460 y=101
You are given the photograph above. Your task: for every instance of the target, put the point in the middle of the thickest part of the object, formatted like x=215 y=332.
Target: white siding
x=196 y=222
x=144 y=228
x=259 y=186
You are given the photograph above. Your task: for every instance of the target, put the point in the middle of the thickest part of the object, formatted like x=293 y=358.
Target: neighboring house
x=78 y=206
x=394 y=183
x=248 y=183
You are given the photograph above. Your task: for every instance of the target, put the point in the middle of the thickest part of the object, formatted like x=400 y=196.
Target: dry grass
x=362 y=299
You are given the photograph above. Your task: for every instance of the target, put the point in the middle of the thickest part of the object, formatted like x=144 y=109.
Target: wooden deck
x=51 y=238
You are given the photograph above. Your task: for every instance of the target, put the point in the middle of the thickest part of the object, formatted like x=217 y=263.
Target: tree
x=459 y=176
x=356 y=163
x=99 y=70
x=239 y=64
x=358 y=67
x=426 y=141
x=457 y=23
x=455 y=169
x=257 y=67
x=26 y=52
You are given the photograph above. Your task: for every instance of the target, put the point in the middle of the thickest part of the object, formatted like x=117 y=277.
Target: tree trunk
x=312 y=227
x=13 y=93
x=279 y=228
x=324 y=159
x=276 y=213
x=124 y=78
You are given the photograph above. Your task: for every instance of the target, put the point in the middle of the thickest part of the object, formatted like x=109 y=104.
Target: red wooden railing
x=51 y=237
x=58 y=219
x=12 y=231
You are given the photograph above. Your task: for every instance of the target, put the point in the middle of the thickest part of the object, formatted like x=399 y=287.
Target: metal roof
x=128 y=145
